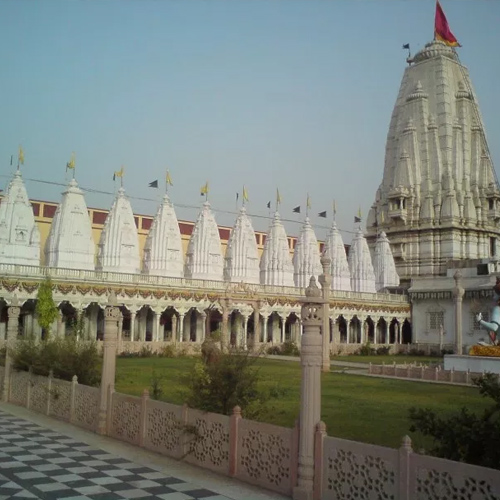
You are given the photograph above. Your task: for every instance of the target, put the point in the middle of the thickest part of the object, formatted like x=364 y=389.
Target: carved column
x=181 y=326
x=311 y=358
x=132 y=325
x=173 y=333
x=186 y=332
x=158 y=333
x=458 y=295
x=10 y=341
x=283 y=326
x=326 y=280
x=112 y=315
x=256 y=327
x=245 y=332
x=225 y=325
x=265 y=317
x=203 y=326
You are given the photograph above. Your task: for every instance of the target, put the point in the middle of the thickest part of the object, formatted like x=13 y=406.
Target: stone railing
x=357 y=470
x=254 y=452
x=115 y=278
x=422 y=372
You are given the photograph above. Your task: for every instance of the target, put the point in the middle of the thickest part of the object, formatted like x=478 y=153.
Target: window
x=436 y=319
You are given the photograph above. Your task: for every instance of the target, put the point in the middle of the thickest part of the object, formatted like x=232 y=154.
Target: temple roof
x=70 y=243
x=360 y=265
x=339 y=268
x=118 y=248
x=306 y=258
x=241 y=263
x=19 y=235
x=383 y=264
x=204 y=254
x=163 y=253
x=276 y=266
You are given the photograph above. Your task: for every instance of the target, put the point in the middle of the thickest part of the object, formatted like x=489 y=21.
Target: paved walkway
x=44 y=458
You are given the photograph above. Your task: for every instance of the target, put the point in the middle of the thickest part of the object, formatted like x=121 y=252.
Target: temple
x=439 y=199
x=163 y=253
x=118 y=248
x=360 y=265
x=339 y=267
x=19 y=234
x=306 y=259
x=70 y=243
x=384 y=267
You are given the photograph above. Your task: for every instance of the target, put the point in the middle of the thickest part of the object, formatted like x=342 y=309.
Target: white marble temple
x=306 y=256
x=70 y=243
x=276 y=266
x=204 y=254
x=19 y=234
x=163 y=253
x=118 y=248
x=241 y=263
x=339 y=268
x=360 y=265
x=383 y=264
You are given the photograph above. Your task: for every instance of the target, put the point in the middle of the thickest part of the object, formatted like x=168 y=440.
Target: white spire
x=19 y=235
x=306 y=259
x=242 y=257
x=118 y=248
x=360 y=265
x=204 y=254
x=335 y=250
x=163 y=254
x=384 y=266
x=276 y=266
x=70 y=243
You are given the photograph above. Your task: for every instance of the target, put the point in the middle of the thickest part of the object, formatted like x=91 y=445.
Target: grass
x=388 y=359
x=372 y=410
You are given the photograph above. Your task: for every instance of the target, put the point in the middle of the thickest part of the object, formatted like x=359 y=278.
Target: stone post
x=180 y=325
x=264 y=328
x=310 y=392
x=256 y=328
x=245 y=332
x=203 y=326
x=132 y=325
x=10 y=340
x=458 y=295
x=225 y=325
x=326 y=280
x=112 y=316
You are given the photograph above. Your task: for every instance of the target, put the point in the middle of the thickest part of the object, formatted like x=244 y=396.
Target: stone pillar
x=203 y=327
x=264 y=328
x=310 y=394
x=245 y=332
x=181 y=326
x=120 y=328
x=336 y=331
x=112 y=316
x=326 y=280
x=256 y=328
x=458 y=295
x=225 y=327
x=173 y=333
x=157 y=327
x=10 y=341
x=283 y=326
x=132 y=325
x=186 y=332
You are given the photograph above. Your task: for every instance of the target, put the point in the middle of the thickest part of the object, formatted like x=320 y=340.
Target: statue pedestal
x=475 y=364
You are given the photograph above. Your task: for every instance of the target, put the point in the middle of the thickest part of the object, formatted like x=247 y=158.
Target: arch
x=393 y=331
x=343 y=329
x=406 y=333
x=292 y=328
x=355 y=330
x=274 y=323
x=370 y=330
x=382 y=337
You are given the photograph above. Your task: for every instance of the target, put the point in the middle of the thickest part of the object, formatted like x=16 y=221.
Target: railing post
x=318 y=460
x=183 y=442
x=74 y=383
x=10 y=339
x=234 y=422
x=28 y=388
x=109 y=414
x=404 y=468
x=144 y=412
x=49 y=392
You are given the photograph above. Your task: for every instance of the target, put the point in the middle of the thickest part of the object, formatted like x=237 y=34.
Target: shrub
x=156 y=387
x=384 y=350
x=290 y=348
x=365 y=350
x=46 y=309
x=274 y=350
x=64 y=356
x=168 y=351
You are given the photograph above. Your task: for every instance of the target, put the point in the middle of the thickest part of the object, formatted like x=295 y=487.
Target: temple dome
x=306 y=257
x=118 y=248
x=276 y=266
x=360 y=265
x=70 y=243
x=339 y=268
x=383 y=264
x=204 y=254
x=163 y=253
x=19 y=235
x=241 y=263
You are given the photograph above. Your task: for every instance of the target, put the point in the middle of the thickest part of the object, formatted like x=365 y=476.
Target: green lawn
x=389 y=359
x=372 y=410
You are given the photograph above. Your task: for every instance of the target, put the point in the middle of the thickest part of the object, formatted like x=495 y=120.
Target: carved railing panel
x=39 y=393
x=265 y=455
x=19 y=383
x=125 y=418
x=207 y=440
x=60 y=399
x=86 y=406
x=354 y=470
x=434 y=478
x=164 y=428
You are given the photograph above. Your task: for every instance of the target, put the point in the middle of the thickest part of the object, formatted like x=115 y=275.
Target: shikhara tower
x=439 y=199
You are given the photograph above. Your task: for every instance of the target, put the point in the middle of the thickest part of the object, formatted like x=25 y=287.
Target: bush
x=384 y=350
x=65 y=357
x=288 y=348
x=168 y=351
x=366 y=350
x=274 y=350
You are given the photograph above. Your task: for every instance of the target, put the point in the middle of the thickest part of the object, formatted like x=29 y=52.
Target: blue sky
x=266 y=93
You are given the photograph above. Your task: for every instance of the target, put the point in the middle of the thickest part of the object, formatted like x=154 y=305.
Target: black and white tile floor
x=36 y=462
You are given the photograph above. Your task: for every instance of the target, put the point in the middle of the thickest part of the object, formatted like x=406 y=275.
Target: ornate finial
x=458 y=275
x=312 y=290
x=112 y=299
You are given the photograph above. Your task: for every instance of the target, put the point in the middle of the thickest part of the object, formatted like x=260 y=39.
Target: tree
x=465 y=436
x=46 y=309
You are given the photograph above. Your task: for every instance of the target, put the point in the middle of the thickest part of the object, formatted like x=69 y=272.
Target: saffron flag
x=20 y=157
x=245 y=194
x=169 y=179
x=71 y=162
x=442 y=30
x=308 y=202
x=278 y=196
x=118 y=174
x=204 y=189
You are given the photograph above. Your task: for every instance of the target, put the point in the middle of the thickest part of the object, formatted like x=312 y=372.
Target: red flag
x=442 y=30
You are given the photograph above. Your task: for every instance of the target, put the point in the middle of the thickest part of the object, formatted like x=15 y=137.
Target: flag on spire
x=357 y=218
x=71 y=162
x=20 y=157
x=296 y=210
x=153 y=184
x=442 y=29
x=245 y=194
x=119 y=173
x=204 y=189
x=278 y=197
x=308 y=204
x=168 y=179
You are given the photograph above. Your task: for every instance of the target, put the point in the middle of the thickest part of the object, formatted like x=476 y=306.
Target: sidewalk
x=41 y=457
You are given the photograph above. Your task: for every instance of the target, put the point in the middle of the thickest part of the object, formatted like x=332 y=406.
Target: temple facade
x=439 y=198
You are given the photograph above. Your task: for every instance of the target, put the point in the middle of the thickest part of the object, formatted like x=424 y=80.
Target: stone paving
x=37 y=462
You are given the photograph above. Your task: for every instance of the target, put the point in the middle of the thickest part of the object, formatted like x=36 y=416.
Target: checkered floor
x=36 y=462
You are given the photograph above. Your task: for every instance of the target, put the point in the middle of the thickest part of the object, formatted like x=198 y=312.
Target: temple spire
x=306 y=258
x=360 y=265
x=383 y=264
x=339 y=268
